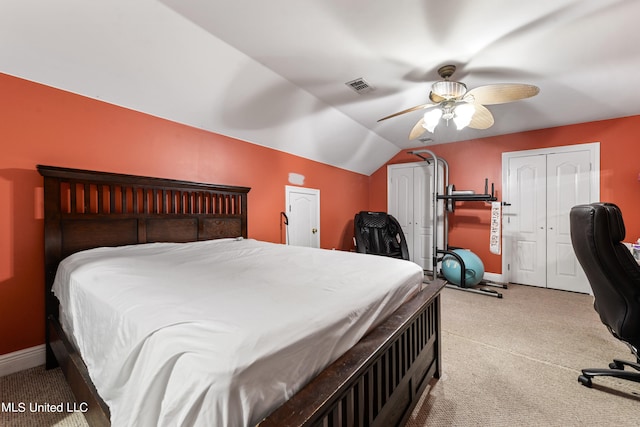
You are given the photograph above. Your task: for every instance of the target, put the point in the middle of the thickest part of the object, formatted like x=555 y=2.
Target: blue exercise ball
x=474 y=268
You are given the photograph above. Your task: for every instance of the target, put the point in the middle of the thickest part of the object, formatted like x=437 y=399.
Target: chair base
x=616 y=370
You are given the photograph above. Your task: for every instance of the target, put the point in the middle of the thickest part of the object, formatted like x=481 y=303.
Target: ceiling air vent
x=360 y=86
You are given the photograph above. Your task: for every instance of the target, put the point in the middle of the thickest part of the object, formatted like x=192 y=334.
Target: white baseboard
x=494 y=277
x=22 y=359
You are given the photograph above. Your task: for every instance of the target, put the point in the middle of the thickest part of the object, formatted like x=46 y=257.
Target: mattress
x=219 y=332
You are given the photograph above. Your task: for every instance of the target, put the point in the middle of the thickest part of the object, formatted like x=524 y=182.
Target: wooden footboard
x=379 y=381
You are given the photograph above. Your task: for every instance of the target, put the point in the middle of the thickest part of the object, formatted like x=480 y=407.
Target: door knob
x=314 y=230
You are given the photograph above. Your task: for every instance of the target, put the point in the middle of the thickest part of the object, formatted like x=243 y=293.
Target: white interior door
x=400 y=201
x=410 y=190
x=541 y=189
x=422 y=216
x=303 y=211
x=568 y=184
x=525 y=220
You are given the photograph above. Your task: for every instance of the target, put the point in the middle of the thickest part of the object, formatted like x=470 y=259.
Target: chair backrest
x=379 y=233
x=597 y=231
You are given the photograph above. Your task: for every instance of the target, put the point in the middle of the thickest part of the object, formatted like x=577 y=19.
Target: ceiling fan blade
x=482 y=117
x=417 y=130
x=408 y=110
x=502 y=93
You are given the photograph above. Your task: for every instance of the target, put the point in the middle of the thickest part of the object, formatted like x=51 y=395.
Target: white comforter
x=219 y=333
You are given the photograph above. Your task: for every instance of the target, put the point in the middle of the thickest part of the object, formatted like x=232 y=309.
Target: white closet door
x=526 y=221
x=422 y=216
x=400 y=201
x=410 y=201
x=568 y=184
x=542 y=189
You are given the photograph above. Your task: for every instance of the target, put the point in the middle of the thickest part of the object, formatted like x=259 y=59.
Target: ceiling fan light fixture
x=449 y=90
x=450 y=100
x=463 y=115
x=431 y=119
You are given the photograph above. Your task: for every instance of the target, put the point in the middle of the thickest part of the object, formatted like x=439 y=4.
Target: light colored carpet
x=27 y=389
x=506 y=362
x=515 y=362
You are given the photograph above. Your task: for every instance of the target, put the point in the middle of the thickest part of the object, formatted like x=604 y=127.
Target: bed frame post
x=52 y=255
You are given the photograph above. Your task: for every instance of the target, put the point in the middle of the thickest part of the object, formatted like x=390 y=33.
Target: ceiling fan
x=450 y=100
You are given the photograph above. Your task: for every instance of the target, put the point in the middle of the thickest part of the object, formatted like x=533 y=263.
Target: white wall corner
x=22 y=359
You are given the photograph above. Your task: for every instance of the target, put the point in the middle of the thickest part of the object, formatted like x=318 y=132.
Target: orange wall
x=42 y=125
x=470 y=162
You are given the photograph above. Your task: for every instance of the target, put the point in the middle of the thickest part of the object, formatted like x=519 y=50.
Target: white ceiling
x=274 y=72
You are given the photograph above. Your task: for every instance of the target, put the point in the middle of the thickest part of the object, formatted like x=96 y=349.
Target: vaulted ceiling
x=273 y=72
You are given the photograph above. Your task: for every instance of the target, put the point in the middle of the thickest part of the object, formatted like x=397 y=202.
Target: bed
x=375 y=382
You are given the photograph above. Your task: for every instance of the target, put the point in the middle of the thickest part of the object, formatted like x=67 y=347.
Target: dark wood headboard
x=87 y=209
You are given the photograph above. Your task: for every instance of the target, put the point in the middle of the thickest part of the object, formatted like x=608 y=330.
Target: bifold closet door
x=542 y=190
x=410 y=189
x=568 y=184
x=400 y=201
x=527 y=221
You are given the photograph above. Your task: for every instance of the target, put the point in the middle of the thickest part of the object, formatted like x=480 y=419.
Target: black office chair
x=597 y=231
x=379 y=233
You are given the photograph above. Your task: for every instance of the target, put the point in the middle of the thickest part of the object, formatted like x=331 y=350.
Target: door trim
x=594 y=150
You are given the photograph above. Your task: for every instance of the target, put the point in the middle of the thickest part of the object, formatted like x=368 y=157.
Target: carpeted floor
x=515 y=362
x=506 y=362
x=22 y=392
